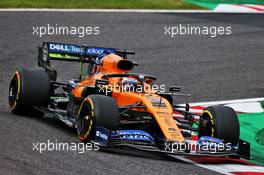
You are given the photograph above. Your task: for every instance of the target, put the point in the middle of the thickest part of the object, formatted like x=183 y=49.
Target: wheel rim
x=206 y=127
x=85 y=122
x=14 y=91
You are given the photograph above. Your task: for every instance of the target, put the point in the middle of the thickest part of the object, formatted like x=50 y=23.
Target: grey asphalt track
x=221 y=68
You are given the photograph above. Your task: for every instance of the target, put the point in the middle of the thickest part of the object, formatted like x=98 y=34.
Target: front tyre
x=96 y=111
x=220 y=122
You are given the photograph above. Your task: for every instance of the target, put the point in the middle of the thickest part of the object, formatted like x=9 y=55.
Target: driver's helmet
x=129 y=84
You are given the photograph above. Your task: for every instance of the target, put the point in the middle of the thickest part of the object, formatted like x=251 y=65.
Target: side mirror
x=99 y=83
x=175 y=89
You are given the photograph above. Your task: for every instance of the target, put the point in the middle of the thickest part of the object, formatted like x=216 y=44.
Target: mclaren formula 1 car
x=114 y=107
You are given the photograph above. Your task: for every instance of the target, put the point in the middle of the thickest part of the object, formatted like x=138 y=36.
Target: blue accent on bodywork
x=132 y=135
x=97 y=51
x=207 y=140
x=102 y=135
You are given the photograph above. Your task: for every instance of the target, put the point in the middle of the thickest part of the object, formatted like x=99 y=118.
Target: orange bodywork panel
x=162 y=112
x=154 y=104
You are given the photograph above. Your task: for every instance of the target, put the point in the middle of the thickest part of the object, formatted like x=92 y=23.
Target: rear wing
x=73 y=53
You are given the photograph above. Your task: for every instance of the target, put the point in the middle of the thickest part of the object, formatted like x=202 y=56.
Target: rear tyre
x=29 y=88
x=220 y=122
x=96 y=111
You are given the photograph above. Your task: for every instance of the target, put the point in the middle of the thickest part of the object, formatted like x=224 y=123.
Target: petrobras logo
x=95 y=51
x=101 y=135
x=64 y=48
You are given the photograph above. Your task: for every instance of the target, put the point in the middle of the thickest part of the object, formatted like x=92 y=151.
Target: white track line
x=239 y=8
x=249 y=107
x=201 y=165
x=225 y=168
x=227 y=102
x=112 y=10
x=229 y=168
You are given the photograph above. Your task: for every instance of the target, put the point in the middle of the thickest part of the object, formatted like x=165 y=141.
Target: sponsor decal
x=101 y=135
x=167 y=121
x=172 y=129
x=59 y=47
x=132 y=135
x=64 y=48
x=95 y=51
x=162 y=113
x=175 y=135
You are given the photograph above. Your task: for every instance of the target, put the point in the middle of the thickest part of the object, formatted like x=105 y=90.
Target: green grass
x=93 y=4
x=232 y=1
x=252 y=131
